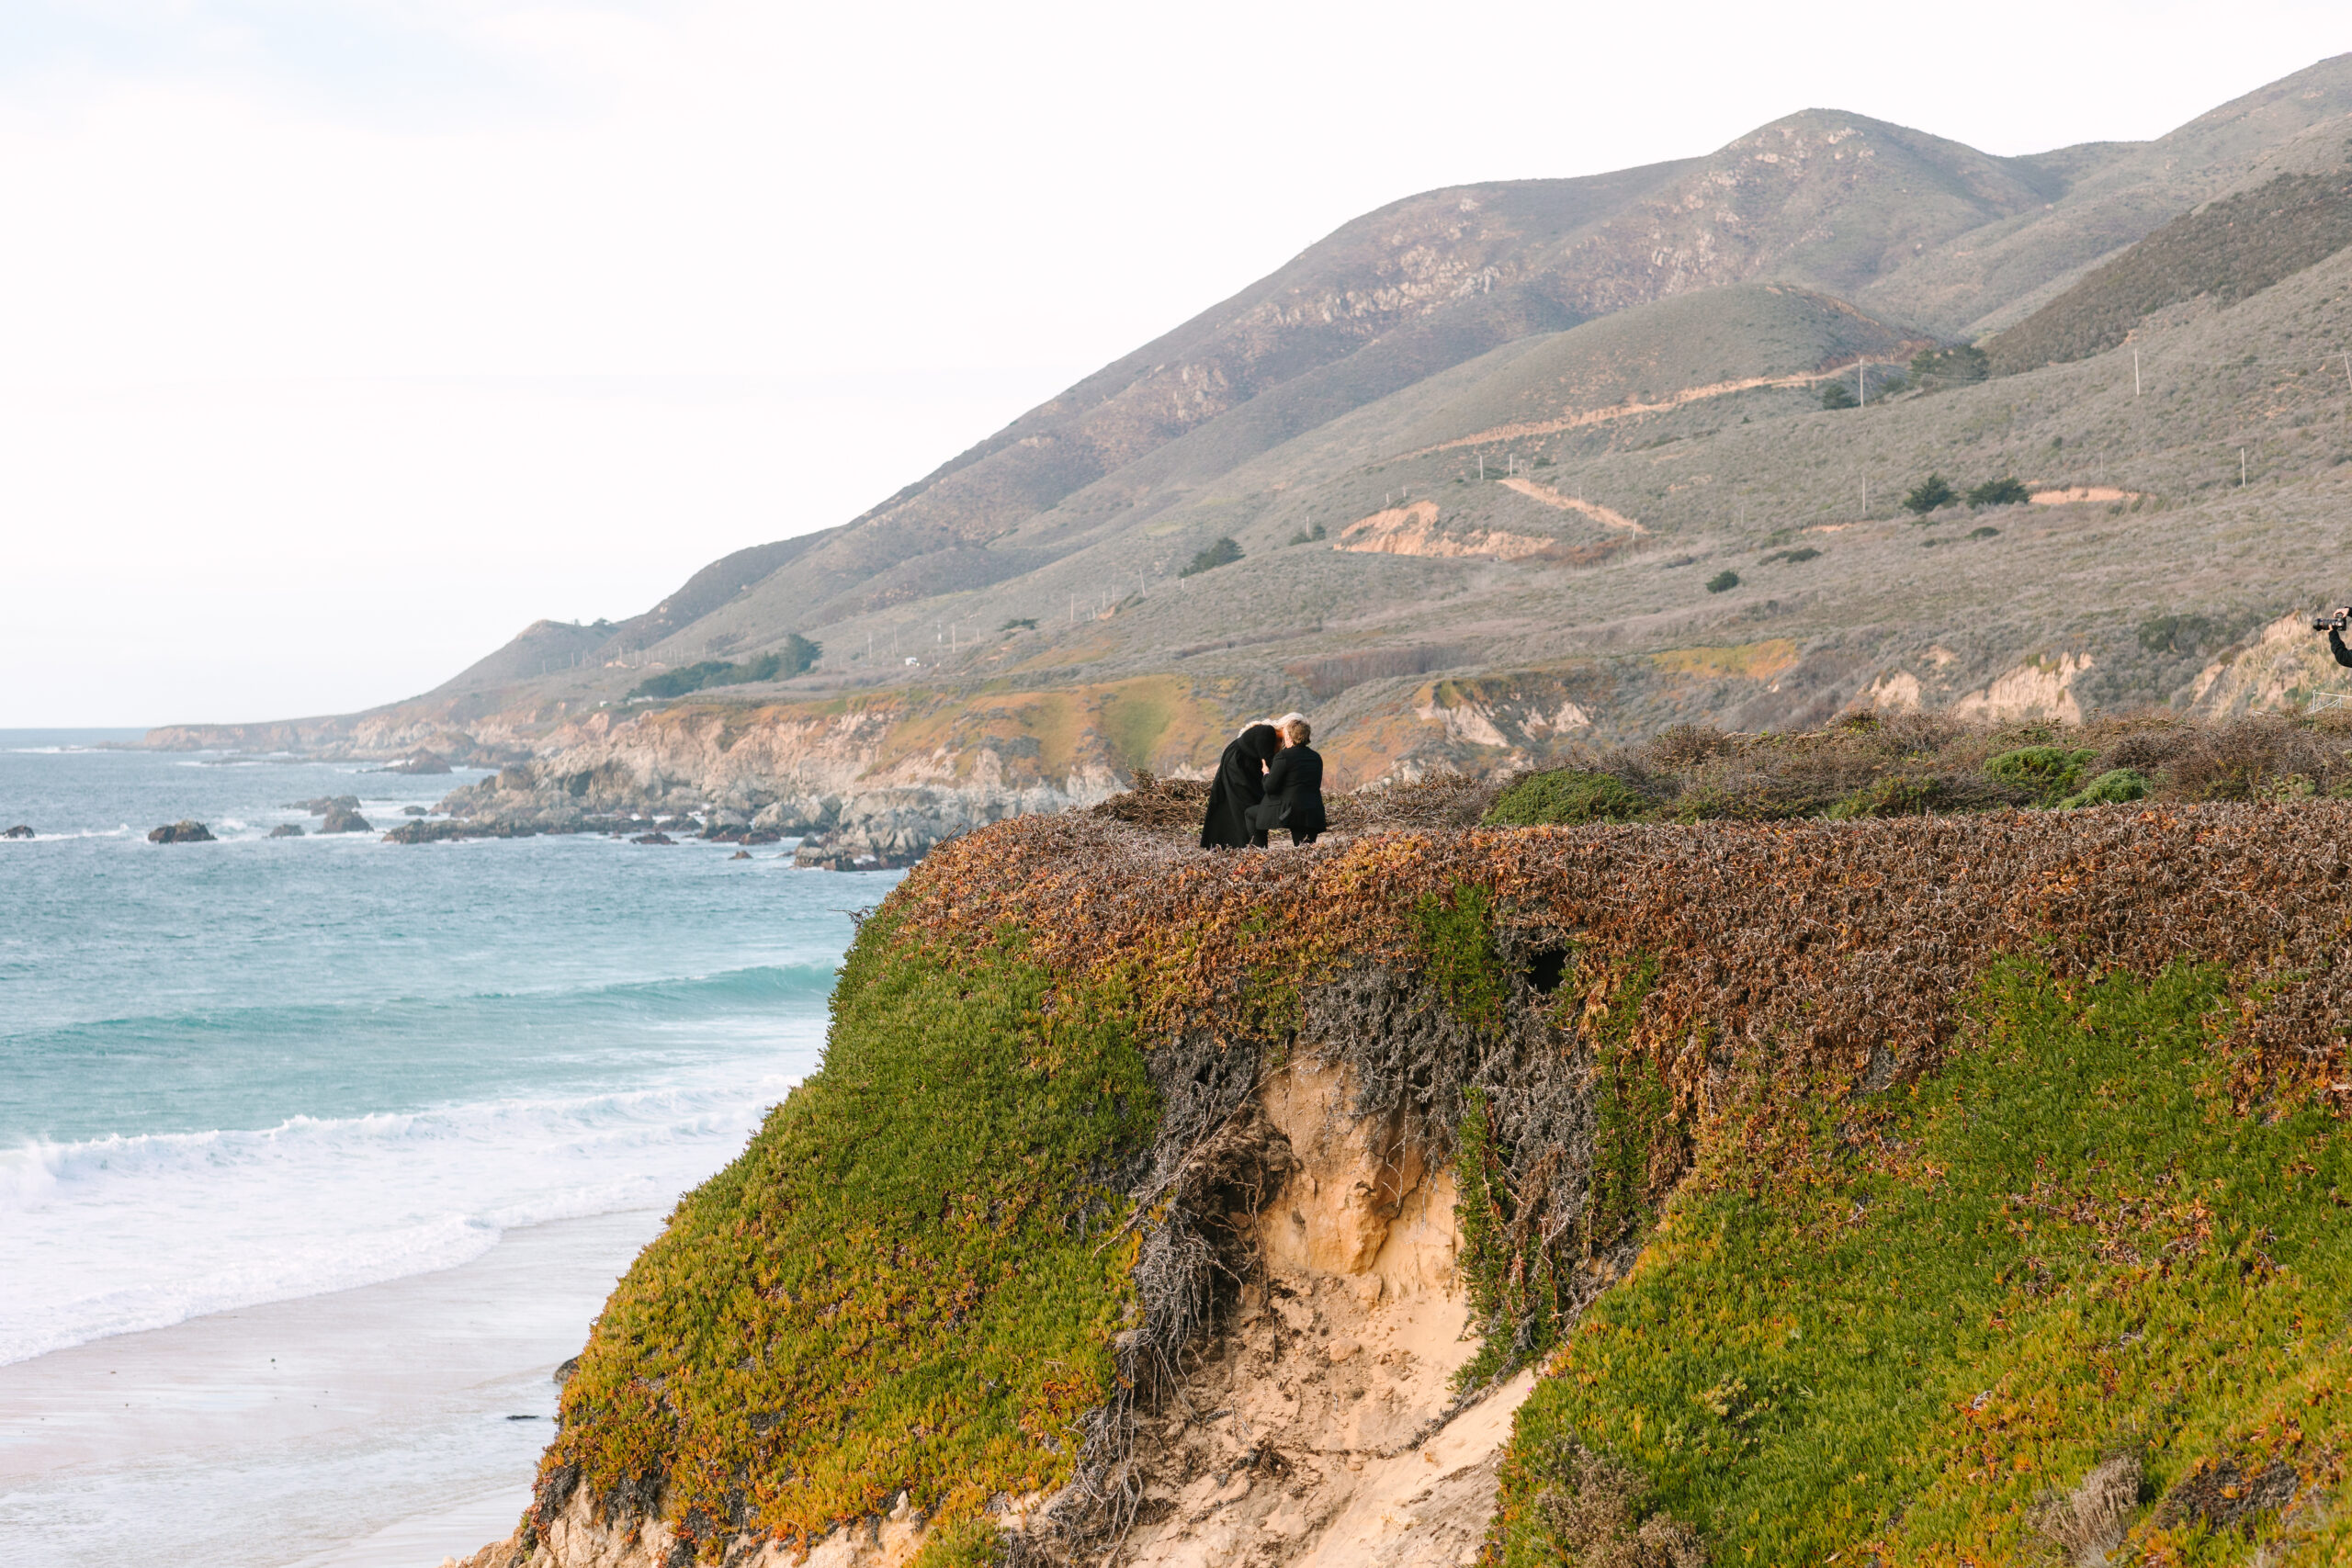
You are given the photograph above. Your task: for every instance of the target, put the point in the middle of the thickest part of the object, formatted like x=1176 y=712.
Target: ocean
x=269 y=1104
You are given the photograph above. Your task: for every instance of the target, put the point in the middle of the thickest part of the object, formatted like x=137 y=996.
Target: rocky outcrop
x=343 y=820
x=420 y=761
x=19 y=831
x=181 y=833
x=869 y=787
x=286 y=830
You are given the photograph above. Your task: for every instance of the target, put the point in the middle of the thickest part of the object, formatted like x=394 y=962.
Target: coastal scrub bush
x=1835 y=395
x=1999 y=492
x=1723 y=581
x=911 y=1279
x=1565 y=797
x=1222 y=552
x=1929 y=494
x=2048 y=773
x=798 y=656
x=1889 y=1325
x=2114 y=787
x=1959 y=364
x=1896 y=796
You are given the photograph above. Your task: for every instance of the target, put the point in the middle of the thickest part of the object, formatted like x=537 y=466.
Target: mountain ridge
x=1548 y=409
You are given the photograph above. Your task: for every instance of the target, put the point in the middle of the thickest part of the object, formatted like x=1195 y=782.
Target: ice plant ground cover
x=1876 y=1184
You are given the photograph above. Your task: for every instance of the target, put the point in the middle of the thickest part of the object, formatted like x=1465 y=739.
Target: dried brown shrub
x=1156 y=802
x=1593 y=1510
x=2088 y=1523
x=2252 y=759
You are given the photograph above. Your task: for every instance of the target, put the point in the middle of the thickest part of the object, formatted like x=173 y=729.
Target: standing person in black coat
x=1294 y=787
x=1238 y=785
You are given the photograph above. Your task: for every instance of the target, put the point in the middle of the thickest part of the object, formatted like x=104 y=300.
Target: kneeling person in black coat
x=1237 y=788
x=1293 y=788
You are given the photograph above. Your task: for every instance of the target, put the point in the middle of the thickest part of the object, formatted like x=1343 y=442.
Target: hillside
x=1923 y=1190
x=1483 y=454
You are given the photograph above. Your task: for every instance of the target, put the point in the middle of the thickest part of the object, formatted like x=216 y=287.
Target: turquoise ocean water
x=260 y=1069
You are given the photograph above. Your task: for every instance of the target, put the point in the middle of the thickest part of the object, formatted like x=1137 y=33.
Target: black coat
x=1238 y=785
x=1293 y=793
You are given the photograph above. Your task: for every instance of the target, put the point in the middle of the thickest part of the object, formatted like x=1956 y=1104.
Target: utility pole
x=1862 y=392
x=1482 y=468
x=2240 y=467
x=2135 y=370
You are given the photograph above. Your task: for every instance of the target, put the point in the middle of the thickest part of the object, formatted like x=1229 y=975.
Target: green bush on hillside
x=1224 y=552
x=2114 y=787
x=1723 y=581
x=1835 y=395
x=2048 y=773
x=797 y=655
x=1897 y=796
x=1894 y=1322
x=1999 y=492
x=1565 y=797
x=1960 y=363
x=1929 y=494
x=860 y=1304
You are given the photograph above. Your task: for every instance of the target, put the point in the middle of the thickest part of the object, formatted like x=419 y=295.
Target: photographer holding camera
x=2332 y=623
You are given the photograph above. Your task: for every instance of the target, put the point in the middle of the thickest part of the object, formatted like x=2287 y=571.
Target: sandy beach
x=372 y=1429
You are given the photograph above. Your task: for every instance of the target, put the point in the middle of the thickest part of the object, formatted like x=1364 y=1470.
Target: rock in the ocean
x=181 y=833
x=740 y=854
x=324 y=803
x=420 y=761
x=341 y=820
x=416 y=810
x=19 y=831
x=656 y=838
x=286 y=830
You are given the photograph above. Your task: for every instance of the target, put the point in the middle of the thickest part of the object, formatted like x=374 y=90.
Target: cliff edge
x=1936 y=1189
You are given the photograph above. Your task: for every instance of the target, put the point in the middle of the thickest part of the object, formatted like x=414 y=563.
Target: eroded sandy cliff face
x=1317 y=1423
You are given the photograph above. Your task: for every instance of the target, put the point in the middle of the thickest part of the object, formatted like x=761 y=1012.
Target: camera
x=2335 y=620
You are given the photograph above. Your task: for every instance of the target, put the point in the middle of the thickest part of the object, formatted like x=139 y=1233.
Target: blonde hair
x=1297 y=729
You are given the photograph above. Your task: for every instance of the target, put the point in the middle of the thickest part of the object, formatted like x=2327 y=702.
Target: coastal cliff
x=1927 y=1188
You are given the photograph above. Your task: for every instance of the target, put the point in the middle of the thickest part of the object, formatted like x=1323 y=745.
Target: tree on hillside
x=1835 y=396
x=1962 y=362
x=1224 y=552
x=1723 y=581
x=1929 y=494
x=799 y=654
x=1999 y=492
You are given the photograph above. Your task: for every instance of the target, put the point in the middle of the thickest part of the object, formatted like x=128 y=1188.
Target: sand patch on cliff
x=1318 y=1425
x=1413 y=531
x=2075 y=493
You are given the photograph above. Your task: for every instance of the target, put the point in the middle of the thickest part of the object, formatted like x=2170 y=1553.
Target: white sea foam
x=117 y=1234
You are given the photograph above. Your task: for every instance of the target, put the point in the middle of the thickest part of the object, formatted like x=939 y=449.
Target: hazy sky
x=340 y=339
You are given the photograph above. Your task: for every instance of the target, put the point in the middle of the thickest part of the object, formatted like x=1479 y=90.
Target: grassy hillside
x=1578 y=428
x=2226 y=250
x=1937 y=1163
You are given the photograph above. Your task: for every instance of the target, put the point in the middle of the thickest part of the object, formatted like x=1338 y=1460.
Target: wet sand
x=368 y=1429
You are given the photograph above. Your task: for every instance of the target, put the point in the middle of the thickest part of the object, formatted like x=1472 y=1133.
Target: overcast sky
x=340 y=339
